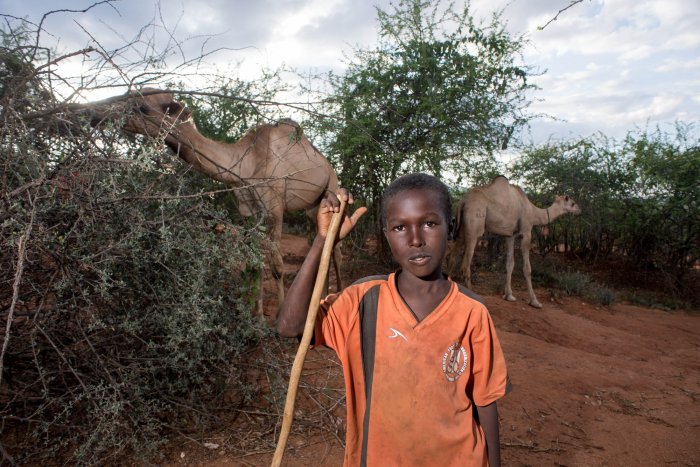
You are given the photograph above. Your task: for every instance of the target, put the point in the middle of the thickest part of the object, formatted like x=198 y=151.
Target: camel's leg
x=277 y=268
x=510 y=262
x=274 y=257
x=527 y=269
x=455 y=255
x=276 y=261
x=259 y=306
x=470 y=244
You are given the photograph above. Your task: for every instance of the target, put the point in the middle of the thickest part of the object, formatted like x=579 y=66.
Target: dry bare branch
x=555 y=17
x=19 y=269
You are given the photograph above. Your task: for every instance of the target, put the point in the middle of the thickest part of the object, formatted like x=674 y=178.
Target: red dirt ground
x=593 y=386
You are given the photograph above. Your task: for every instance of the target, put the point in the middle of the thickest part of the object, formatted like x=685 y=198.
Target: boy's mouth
x=419 y=259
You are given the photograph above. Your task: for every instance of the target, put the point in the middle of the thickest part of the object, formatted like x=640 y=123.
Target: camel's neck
x=223 y=162
x=540 y=216
x=547 y=215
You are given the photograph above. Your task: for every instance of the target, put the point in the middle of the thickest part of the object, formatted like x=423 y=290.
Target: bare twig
x=529 y=446
x=6 y=456
x=573 y=2
x=40 y=28
x=21 y=248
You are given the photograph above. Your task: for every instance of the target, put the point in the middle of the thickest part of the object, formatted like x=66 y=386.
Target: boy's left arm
x=488 y=419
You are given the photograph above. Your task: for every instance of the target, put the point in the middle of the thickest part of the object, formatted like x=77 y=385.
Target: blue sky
x=610 y=66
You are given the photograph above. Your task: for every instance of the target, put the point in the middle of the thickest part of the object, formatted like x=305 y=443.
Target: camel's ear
x=566 y=198
x=451 y=229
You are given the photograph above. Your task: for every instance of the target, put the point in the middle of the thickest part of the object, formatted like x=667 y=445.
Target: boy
x=422 y=364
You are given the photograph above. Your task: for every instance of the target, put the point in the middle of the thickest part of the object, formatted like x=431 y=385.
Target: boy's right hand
x=330 y=205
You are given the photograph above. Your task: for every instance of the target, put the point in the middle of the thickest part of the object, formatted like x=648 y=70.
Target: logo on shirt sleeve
x=454 y=362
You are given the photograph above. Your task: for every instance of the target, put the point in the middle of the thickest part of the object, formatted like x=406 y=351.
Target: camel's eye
x=143 y=109
x=172 y=108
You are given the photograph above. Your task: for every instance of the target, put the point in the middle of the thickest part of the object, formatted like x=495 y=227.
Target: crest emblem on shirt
x=454 y=362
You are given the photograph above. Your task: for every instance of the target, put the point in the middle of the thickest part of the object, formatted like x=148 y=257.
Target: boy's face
x=417 y=232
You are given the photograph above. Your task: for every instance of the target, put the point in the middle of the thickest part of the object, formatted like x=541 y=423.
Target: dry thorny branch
x=117 y=324
x=555 y=17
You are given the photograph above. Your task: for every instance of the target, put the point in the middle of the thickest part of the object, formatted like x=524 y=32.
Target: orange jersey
x=426 y=377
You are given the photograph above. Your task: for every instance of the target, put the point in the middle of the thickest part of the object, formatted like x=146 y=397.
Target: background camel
x=503 y=209
x=275 y=166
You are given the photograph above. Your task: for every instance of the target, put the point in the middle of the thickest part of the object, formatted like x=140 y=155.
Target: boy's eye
x=398 y=228
x=430 y=224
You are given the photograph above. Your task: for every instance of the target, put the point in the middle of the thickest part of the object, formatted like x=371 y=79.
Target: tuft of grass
x=651 y=300
x=600 y=294
x=579 y=284
x=573 y=283
x=545 y=275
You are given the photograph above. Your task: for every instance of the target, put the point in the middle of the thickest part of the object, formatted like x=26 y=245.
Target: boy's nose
x=416 y=238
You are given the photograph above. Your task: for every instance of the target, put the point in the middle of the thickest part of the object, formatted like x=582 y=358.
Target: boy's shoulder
x=376 y=277
x=469 y=293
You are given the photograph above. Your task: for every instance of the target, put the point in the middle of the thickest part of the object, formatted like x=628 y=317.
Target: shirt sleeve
x=489 y=375
x=334 y=323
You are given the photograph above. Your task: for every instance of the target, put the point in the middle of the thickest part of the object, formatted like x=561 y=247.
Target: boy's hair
x=417 y=181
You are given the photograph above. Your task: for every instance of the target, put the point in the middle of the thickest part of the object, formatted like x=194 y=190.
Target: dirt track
x=598 y=386
x=593 y=386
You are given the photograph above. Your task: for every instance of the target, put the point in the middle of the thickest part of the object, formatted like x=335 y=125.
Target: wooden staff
x=321 y=277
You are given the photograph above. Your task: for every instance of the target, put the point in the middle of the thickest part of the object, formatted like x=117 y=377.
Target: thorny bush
x=123 y=300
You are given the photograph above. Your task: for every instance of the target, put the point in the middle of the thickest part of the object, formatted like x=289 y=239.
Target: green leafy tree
x=440 y=94
x=591 y=170
x=639 y=198
x=667 y=197
x=231 y=106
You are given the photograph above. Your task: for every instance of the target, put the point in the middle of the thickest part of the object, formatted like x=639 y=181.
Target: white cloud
x=670 y=65
x=309 y=14
x=611 y=63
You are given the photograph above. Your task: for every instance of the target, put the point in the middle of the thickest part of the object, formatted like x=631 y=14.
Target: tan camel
x=275 y=167
x=503 y=209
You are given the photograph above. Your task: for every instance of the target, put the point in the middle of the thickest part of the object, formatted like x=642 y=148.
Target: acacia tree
x=440 y=94
x=666 y=229
x=639 y=199
x=232 y=105
x=591 y=170
x=125 y=315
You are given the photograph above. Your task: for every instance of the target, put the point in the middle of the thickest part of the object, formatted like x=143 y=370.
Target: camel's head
x=154 y=111
x=567 y=204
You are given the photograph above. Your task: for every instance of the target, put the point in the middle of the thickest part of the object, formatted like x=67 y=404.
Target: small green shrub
x=573 y=283
x=601 y=294
x=655 y=300
x=579 y=284
x=544 y=274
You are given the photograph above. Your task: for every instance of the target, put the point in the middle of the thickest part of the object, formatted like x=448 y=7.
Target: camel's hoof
x=510 y=298
x=536 y=304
